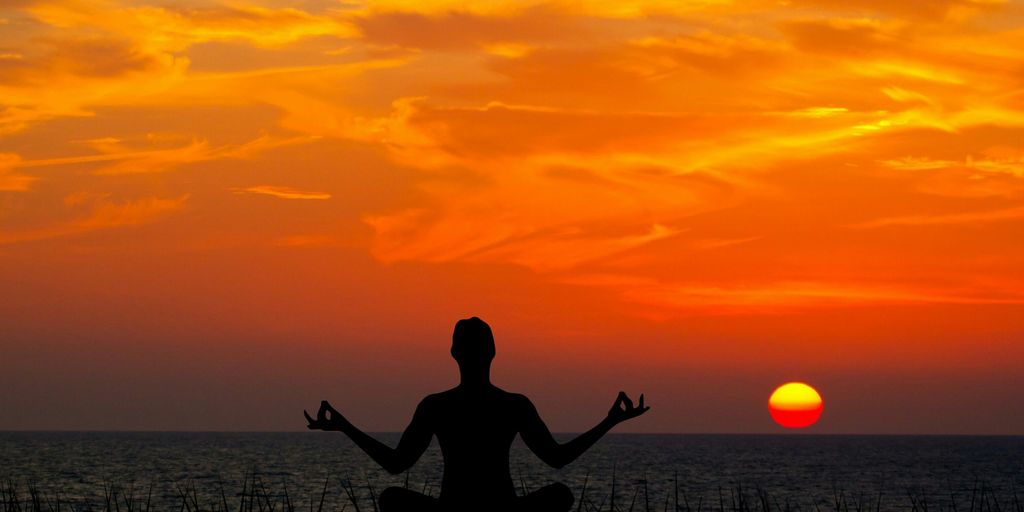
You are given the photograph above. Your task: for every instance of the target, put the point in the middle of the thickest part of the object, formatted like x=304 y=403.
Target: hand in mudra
x=623 y=408
x=326 y=418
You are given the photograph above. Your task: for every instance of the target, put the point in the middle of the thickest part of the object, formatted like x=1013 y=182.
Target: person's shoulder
x=518 y=399
x=435 y=399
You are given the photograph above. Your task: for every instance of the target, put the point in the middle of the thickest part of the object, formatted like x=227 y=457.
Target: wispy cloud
x=945 y=218
x=11 y=181
x=1011 y=165
x=105 y=215
x=115 y=158
x=176 y=28
x=281 y=192
x=90 y=54
x=305 y=241
x=787 y=296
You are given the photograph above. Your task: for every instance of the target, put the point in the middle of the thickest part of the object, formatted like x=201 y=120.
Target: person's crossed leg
x=551 y=498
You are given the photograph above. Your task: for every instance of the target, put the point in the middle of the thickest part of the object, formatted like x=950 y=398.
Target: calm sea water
x=709 y=471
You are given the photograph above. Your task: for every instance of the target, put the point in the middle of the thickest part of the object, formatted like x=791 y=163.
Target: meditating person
x=475 y=424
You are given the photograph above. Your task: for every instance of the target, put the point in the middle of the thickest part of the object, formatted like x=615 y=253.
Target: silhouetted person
x=475 y=423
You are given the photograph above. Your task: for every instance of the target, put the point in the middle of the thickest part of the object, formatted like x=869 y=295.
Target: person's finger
x=629 y=403
x=642 y=408
x=619 y=400
x=308 y=417
x=333 y=414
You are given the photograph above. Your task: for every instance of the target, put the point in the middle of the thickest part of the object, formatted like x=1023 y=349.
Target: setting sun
x=795 y=405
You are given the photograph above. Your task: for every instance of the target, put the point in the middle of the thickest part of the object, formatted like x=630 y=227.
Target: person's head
x=472 y=342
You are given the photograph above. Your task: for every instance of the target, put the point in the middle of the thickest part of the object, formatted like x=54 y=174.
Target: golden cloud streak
x=106 y=215
x=138 y=162
x=779 y=297
x=949 y=218
x=281 y=192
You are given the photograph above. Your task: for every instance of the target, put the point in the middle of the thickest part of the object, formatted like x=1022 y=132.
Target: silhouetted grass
x=339 y=495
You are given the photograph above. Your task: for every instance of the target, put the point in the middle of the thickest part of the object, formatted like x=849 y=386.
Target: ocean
x=647 y=472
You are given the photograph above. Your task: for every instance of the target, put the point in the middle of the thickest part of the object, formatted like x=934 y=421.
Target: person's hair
x=472 y=340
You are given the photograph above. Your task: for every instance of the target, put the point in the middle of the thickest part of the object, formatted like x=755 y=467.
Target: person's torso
x=475 y=430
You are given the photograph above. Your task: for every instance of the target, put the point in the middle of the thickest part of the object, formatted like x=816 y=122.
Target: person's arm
x=540 y=441
x=414 y=442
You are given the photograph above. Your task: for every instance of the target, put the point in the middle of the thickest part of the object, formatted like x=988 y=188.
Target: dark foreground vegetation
x=340 y=495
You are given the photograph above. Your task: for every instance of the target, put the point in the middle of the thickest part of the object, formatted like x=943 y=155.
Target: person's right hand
x=326 y=418
x=623 y=408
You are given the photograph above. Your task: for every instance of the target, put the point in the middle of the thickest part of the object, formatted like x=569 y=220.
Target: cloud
x=672 y=140
x=935 y=10
x=786 y=296
x=691 y=70
x=175 y=28
x=622 y=9
x=1012 y=165
x=81 y=57
x=11 y=181
x=87 y=54
x=845 y=36
x=719 y=54
x=541 y=172
x=77 y=74
x=461 y=30
x=305 y=241
x=116 y=158
x=281 y=192
x=945 y=218
x=412 y=235
x=105 y=215
x=990 y=176
x=426 y=135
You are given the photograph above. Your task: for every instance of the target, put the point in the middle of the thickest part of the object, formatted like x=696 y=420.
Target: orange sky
x=216 y=213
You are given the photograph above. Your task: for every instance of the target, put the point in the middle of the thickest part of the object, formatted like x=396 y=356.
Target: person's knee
x=565 y=495
x=561 y=497
x=398 y=499
x=390 y=500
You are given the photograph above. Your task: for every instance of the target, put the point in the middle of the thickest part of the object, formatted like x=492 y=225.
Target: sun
x=795 y=405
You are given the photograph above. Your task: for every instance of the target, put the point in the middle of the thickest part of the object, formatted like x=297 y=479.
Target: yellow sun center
x=795 y=396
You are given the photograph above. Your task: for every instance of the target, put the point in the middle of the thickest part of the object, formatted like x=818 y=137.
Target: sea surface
x=325 y=471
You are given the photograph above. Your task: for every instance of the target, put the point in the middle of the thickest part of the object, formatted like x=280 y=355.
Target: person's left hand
x=623 y=408
x=326 y=418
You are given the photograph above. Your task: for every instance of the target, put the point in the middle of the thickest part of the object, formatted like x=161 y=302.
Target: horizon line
x=778 y=434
